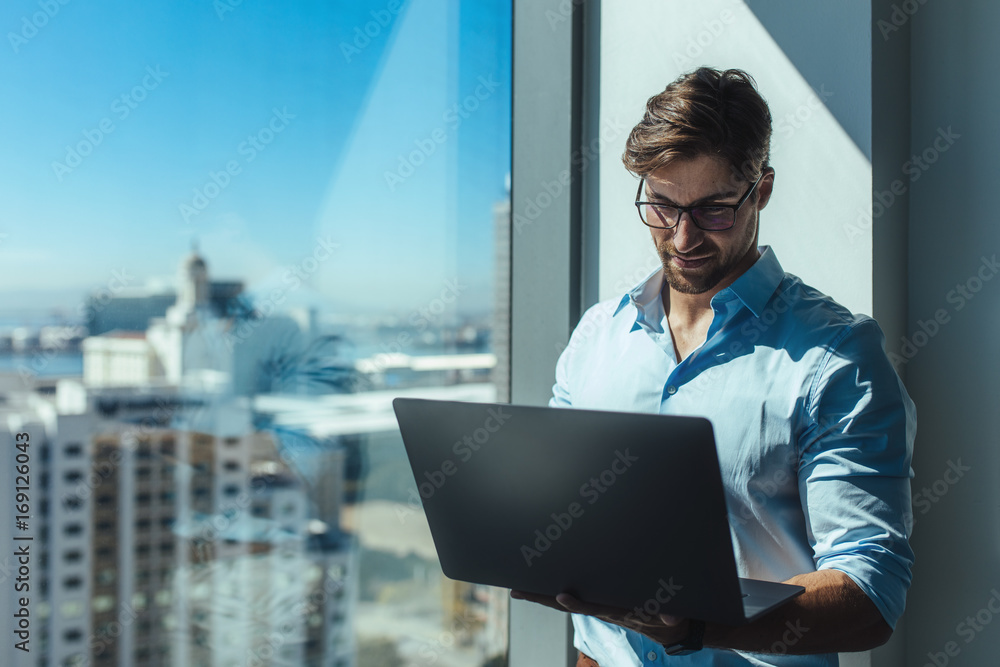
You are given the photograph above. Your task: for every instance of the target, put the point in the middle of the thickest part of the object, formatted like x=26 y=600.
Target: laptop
x=614 y=508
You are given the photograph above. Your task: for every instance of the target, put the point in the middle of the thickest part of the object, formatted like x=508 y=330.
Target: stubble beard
x=689 y=282
x=706 y=277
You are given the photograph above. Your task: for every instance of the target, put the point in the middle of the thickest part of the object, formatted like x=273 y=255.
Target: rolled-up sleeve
x=854 y=472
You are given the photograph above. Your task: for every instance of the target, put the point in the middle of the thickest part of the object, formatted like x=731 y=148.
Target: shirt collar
x=757 y=284
x=645 y=292
x=754 y=288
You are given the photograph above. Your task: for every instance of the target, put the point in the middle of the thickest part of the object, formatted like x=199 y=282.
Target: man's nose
x=687 y=235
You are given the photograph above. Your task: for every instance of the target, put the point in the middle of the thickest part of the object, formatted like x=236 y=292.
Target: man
x=814 y=429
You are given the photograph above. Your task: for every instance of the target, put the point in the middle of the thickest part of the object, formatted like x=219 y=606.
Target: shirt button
x=651 y=655
x=671 y=390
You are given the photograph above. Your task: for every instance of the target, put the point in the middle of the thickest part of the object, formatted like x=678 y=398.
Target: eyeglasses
x=711 y=217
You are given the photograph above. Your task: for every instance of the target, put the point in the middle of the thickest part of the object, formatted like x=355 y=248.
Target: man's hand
x=832 y=615
x=662 y=628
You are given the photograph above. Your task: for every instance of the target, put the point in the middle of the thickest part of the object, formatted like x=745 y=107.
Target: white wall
x=823 y=176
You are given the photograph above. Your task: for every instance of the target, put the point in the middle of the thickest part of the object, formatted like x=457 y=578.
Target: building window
x=102 y=603
x=260 y=359
x=71 y=609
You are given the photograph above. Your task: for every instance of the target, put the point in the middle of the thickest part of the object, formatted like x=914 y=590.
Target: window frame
x=553 y=255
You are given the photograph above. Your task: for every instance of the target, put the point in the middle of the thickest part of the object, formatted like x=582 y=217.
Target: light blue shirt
x=813 y=427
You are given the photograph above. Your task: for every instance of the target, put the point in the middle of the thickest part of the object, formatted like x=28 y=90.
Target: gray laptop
x=615 y=508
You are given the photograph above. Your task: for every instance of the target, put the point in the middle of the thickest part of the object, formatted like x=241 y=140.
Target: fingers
x=568 y=603
x=671 y=621
x=546 y=600
x=576 y=606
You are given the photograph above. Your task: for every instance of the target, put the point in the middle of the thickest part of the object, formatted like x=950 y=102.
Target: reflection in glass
x=217 y=477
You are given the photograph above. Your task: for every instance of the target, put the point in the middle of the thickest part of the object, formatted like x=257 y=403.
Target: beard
x=719 y=265
x=698 y=281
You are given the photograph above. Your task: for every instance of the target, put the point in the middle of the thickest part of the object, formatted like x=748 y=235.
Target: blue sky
x=309 y=113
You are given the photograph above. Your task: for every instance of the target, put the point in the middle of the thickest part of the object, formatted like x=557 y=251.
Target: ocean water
x=43 y=365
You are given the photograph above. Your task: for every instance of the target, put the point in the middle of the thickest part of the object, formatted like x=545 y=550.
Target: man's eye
x=713 y=211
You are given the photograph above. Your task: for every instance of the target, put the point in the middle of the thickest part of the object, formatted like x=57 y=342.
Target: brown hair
x=705 y=112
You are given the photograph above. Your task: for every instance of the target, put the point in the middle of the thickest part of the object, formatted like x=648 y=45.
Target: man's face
x=696 y=261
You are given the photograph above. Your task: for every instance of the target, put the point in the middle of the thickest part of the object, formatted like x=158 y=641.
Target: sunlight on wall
x=819 y=217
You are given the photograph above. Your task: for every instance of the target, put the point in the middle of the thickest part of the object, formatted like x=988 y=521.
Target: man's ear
x=764 y=188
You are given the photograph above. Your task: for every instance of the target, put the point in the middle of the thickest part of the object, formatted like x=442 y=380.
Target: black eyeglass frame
x=690 y=209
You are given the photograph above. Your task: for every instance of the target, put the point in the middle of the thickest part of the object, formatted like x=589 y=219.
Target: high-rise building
x=169 y=532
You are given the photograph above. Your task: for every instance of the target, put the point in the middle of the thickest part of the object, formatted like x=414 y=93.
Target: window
x=102 y=603
x=72 y=529
x=321 y=208
x=72 y=609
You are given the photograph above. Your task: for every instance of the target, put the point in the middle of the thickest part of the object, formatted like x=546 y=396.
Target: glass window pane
x=232 y=233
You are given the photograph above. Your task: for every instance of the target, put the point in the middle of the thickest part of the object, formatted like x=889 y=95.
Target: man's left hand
x=662 y=628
